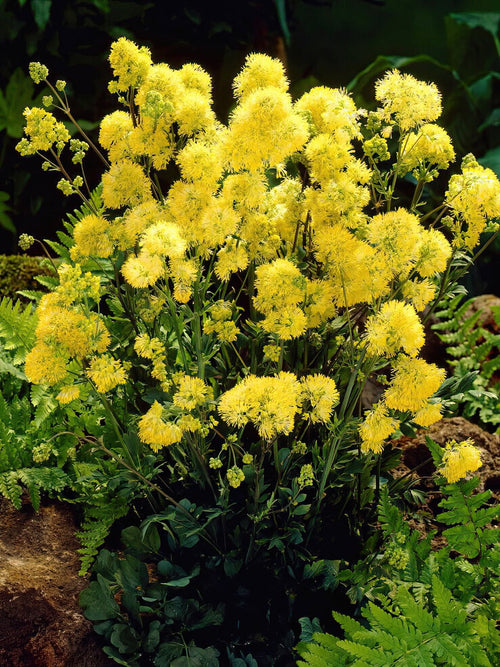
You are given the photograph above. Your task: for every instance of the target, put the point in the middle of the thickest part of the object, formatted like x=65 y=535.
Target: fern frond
x=17 y=327
x=95 y=528
x=389 y=516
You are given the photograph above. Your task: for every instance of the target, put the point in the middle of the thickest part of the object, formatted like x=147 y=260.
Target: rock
x=415 y=452
x=41 y=624
x=485 y=304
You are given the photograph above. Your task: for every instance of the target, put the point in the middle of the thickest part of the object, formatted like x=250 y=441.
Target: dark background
x=327 y=42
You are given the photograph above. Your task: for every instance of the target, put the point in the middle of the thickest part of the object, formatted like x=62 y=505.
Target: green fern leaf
x=17 y=326
x=10 y=488
x=349 y=625
x=49 y=282
x=373 y=656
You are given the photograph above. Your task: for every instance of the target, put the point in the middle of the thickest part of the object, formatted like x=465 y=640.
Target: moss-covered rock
x=17 y=272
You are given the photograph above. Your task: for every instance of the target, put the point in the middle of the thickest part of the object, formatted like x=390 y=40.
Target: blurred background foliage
x=322 y=42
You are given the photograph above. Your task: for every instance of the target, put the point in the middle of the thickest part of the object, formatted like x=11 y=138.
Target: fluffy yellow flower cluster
x=413 y=383
x=474 y=197
x=43 y=131
x=68 y=335
x=220 y=323
x=271 y=403
x=282 y=192
x=459 y=459
x=164 y=425
x=410 y=102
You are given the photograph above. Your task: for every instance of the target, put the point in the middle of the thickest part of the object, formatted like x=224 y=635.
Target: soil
x=41 y=624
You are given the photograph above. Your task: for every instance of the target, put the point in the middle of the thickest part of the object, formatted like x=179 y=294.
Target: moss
x=17 y=272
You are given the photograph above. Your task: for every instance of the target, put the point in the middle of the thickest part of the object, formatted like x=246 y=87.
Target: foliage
x=155 y=607
x=223 y=297
x=472 y=347
x=424 y=607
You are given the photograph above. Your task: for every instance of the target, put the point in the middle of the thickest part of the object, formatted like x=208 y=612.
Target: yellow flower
x=164 y=239
x=129 y=62
x=433 y=253
x=474 y=197
x=263 y=130
x=260 y=71
x=245 y=190
x=330 y=109
x=413 y=383
x=183 y=272
x=319 y=304
x=376 y=428
x=153 y=140
x=143 y=270
x=279 y=285
x=194 y=113
x=398 y=235
x=396 y=326
x=411 y=102
x=106 y=373
x=73 y=284
x=419 y=293
x=327 y=155
x=200 y=161
x=45 y=364
x=66 y=327
x=322 y=394
x=306 y=476
x=286 y=323
x=43 y=131
x=155 y=432
x=231 y=258
x=235 y=476
x=270 y=403
x=113 y=134
x=459 y=459
x=192 y=393
x=68 y=393
x=193 y=76
x=430 y=145
x=147 y=347
x=136 y=220
x=355 y=270
x=91 y=235
x=125 y=184
x=272 y=352
x=429 y=414
x=285 y=207
x=188 y=423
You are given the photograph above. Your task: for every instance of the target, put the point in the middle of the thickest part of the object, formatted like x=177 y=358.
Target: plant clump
x=223 y=297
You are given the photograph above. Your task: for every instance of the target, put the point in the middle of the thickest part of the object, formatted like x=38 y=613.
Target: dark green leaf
x=124 y=638
x=41 y=12
x=97 y=601
x=153 y=637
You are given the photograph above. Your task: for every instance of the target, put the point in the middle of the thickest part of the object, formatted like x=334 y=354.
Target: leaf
x=124 y=638
x=97 y=601
x=153 y=637
x=491 y=159
x=17 y=96
x=5 y=219
x=472 y=41
x=41 y=12
x=308 y=628
x=281 y=11
x=198 y=657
